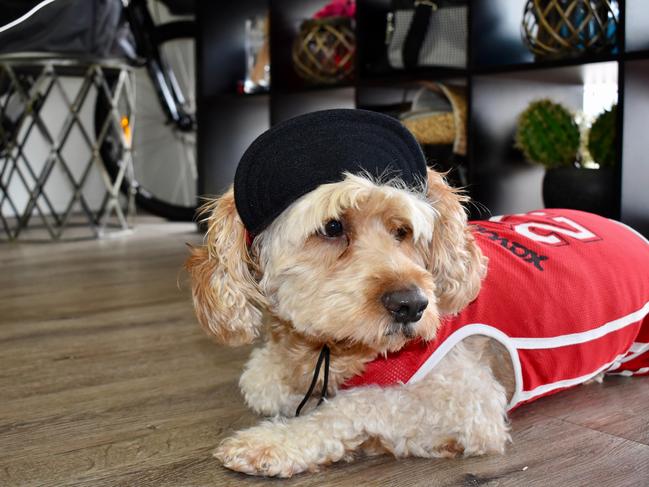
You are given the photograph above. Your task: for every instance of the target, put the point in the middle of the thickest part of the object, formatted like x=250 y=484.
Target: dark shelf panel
x=549 y=66
x=430 y=73
x=636 y=55
x=303 y=89
x=307 y=87
x=545 y=65
x=248 y=95
x=569 y=75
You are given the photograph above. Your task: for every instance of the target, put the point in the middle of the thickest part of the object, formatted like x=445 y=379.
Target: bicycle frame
x=163 y=78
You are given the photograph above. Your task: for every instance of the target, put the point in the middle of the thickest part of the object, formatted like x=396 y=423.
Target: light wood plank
x=106 y=379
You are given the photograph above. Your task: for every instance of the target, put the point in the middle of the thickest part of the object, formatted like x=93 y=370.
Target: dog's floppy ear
x=455 y=260
x=225 y=292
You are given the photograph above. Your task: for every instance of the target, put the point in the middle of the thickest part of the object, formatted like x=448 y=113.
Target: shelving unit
x=501 y=78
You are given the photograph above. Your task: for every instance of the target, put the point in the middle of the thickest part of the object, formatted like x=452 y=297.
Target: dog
x=431 y=328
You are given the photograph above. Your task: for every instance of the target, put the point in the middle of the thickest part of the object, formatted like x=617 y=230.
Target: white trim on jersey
x=632 y=230
x=638 y=347
x=629 y=373
x=512 y=345
x=584 y=336
x=636 y=350
x=24 y=17
x=467 y=331
x=562 y=384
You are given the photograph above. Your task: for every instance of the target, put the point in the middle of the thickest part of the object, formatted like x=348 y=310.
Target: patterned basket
x=323 y=51
x=563 y=28
x=435 y=127
x=432 y=128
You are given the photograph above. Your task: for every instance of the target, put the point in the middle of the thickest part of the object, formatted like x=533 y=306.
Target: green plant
x=548 y=134
x=602 y=138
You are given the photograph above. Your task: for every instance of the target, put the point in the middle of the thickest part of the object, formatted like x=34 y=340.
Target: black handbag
x=427 y=33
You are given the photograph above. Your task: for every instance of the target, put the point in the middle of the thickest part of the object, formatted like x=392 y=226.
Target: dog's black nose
x=405 y=305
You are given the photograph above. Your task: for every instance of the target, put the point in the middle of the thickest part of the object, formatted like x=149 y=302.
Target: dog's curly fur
x=306 y=289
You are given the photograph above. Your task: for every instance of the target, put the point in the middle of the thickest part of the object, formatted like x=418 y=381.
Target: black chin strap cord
x=324 y=355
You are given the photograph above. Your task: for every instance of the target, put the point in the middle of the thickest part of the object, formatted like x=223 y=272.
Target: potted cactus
x=602 y=138
x=548 y=134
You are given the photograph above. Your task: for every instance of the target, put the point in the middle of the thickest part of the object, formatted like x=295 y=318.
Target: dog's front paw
x=263 y=451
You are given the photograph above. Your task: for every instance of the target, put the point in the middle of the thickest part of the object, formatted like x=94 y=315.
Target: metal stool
x=26 y=83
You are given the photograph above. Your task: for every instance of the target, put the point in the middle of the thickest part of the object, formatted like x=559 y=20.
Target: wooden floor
x=106 y=379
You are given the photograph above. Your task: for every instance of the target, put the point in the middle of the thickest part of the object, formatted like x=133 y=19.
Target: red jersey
x=566 y=293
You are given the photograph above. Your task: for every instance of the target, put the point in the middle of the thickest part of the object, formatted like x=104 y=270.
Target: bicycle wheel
x=165 y=155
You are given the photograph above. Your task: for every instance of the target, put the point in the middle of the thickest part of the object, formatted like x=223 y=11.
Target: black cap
x=296 y=156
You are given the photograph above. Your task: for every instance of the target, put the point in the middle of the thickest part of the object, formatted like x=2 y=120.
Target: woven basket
x=437 y=127
x=432 y=128
x=323 y=51
x=563 y=28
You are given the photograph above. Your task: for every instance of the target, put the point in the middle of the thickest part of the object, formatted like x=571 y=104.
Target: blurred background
x=477 y=68
x=527 y=103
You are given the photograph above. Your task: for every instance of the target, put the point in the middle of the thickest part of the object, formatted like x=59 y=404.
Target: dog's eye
x=333 y=229
x=401 y=233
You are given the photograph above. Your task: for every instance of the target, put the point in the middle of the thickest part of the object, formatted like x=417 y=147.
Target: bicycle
x=165 y=182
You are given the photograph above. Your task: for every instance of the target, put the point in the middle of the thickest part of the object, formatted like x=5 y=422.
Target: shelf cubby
x=501 y=179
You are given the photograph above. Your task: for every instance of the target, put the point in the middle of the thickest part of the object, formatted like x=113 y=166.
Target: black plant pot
x=592 y=190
